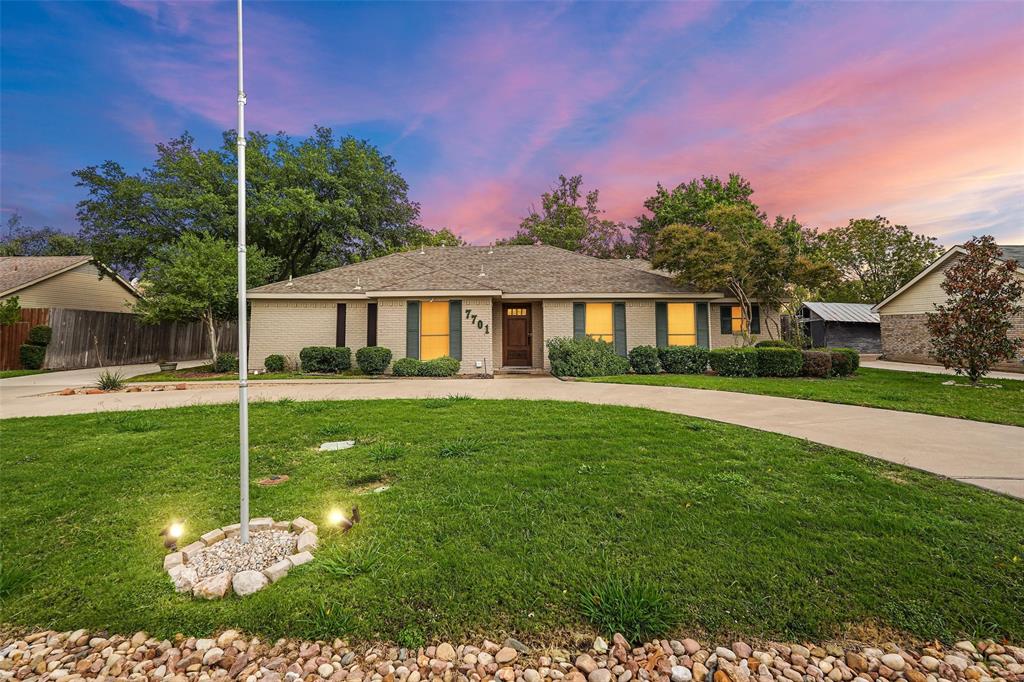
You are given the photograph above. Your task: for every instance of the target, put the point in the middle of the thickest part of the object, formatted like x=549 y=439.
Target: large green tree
x=313 y=203
x=873 y=258
x=689 y=203
x=21 y=240
x=571 y=220
x=196 y=278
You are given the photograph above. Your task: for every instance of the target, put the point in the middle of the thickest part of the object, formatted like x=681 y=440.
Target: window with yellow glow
x=682 y=324
x=739 y=325
x=433 y=329
x=599 y=322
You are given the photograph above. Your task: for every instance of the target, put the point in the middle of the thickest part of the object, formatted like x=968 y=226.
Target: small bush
x=684 y=359
x=386 y=452
x=32 y=356
x=853 y=357
x=373 y=359
x=584 y=358
x=734 y=362
x=226 y=362
x=644 y=360
x=274 y=363
x=637 y=609
x=816 y=364
x=325 y=359
x=406 y=367
x=842 y=365
x=110 y=381
x=40 y=335
x=443 y=366
x=777 y=361
x=773 y=343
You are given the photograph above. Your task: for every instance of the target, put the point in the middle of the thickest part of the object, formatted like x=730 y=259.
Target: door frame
x=504 y=333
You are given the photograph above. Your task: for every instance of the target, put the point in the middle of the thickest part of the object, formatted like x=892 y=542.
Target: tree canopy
x=22 y=240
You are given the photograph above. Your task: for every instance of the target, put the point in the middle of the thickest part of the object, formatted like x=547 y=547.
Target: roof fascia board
x=936 y=263
x=618 y=295
x=433 y=293
x=45 y=277
x=297 y=294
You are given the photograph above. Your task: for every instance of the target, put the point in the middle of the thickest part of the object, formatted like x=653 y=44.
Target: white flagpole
x=243 y=355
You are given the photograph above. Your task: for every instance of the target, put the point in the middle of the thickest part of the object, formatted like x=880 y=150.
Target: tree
x=314 y=203
x=22 y=240
x=873 y=258
x=737 y=252
x=195 y=278
x=10 y=311
x=690 y=203
x=571 y=221
x=970 y=332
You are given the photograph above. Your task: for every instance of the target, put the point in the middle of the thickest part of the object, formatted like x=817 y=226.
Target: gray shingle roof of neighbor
x=1011 y=252
x=19 y=271
x=843 y=312
x=510 y=269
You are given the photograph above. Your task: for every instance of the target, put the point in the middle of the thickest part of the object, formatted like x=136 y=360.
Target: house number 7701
x=471 y=316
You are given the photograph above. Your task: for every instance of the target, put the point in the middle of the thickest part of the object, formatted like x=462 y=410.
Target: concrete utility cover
x=337 y=445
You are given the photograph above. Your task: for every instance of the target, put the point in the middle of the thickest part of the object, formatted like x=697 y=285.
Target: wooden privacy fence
x=89 y=338
x=13 y=335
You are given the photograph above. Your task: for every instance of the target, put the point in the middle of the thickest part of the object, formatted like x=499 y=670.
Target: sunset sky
x=832 y=110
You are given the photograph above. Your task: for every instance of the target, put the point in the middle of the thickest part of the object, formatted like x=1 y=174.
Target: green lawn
x=206 y=373
x=893 y=390
x=500 y=516
x=11 y=373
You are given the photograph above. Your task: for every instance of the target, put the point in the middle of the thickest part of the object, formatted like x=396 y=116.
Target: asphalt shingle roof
x=18 y=271
x=509 y=269
x=1013 y=253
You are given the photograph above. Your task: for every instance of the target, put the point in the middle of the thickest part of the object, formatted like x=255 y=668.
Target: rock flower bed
x=79 y=655
x=218 y=563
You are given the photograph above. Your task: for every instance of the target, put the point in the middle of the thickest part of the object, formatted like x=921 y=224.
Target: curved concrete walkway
x=987 y=455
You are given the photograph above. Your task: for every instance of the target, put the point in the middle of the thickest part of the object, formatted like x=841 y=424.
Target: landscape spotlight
x=335 y=517
x=175 y=531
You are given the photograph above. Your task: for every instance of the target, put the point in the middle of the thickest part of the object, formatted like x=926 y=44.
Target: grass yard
x=889 y=389
x=11 y=373
x=206 y=373
x=524 y=517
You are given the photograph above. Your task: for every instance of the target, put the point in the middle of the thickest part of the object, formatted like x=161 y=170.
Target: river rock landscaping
x=81 y=655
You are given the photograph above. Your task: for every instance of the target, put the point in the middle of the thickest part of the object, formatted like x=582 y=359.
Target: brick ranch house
x=903 y=315
x=492 y=308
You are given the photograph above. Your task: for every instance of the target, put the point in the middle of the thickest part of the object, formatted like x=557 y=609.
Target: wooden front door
x=516 y=335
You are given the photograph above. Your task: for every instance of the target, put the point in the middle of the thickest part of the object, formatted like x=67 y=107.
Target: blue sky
x=832 y=110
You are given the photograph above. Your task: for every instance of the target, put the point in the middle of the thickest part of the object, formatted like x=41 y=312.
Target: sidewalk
x=48 y=382
x=933 y=369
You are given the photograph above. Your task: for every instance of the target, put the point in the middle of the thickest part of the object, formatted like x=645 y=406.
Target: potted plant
x=167 y=366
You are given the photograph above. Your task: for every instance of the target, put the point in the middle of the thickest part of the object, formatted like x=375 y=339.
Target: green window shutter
x=703 y=339
x=579 y=320
x=455 y=329
x=412 y=329
x=661 y=324
x=755 y=319
x=619 y=322
x=726 y=315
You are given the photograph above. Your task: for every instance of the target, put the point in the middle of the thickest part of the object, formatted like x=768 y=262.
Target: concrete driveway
x=986 y=455
x=932 y=369
x=39 y=384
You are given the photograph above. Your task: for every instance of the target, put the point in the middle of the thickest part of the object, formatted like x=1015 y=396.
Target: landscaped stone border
x=243 y=583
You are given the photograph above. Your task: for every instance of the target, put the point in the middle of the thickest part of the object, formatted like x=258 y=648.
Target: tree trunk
x=211 y=332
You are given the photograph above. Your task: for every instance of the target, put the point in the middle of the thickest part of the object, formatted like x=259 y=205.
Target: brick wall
x=769 y=321
x=286 y=327
x=557 y=322
x=905 y=338
x=391 y=325
x=478 y=337
x=640 y=324
x=355 y=326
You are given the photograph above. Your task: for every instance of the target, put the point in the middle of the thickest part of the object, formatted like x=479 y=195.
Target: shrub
x=373 y=359
x=773 y=343
x=226 y=362
x=444 y=366
x=325 y=359
x=386 y=452
x=584 y=358
x=637 y=609
x=274 y=363
x=463 y=446
x=32 y=356
x=684 y=359
x=644 y=360
x=40 y=335
x=776 y=361
x=10 y=311
x=842 y=362
x=817 y=363
x=734 y=362
x=110 y=381
x=852 y=354
x=406 y=367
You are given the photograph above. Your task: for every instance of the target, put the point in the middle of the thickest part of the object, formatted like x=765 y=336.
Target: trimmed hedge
x=32 y=356
x=644 y=360
x=444 y=366
x=684 y=359
x=325 y=359
x=584 y=357
x=274 y=363
x=39 y=335
x=777 y=361
x=373 y=359
x=406 y=367
x=734 y=362
x=852 y=356
x=816 y=364
x=226 y=362
x=842 y=366
x=773 y=343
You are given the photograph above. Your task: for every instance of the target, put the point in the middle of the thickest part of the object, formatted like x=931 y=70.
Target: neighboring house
x=841 y=325
x=73 y=282
x=903 y=315
x=490 y=307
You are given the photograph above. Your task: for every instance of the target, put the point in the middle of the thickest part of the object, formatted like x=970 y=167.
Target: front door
x=516 y=335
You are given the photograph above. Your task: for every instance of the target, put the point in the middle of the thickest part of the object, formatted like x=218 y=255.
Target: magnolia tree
x=970 y=332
